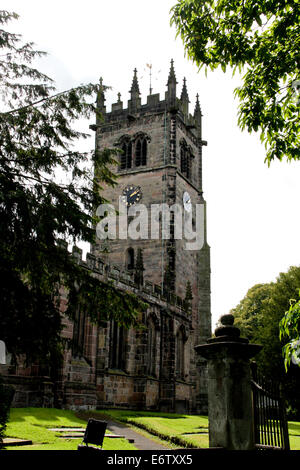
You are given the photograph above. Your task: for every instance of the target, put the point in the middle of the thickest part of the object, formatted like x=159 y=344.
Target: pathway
x=140 y=442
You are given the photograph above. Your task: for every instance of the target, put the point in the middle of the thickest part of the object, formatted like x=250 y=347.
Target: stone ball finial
x=227 y=328
x=227 y=319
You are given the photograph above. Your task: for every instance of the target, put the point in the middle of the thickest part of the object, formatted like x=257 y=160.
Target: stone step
x=77 y=433
x=66 y=429
x=72 y=433
x=13 y=441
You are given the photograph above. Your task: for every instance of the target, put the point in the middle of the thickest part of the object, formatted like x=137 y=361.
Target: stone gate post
x=230 y=410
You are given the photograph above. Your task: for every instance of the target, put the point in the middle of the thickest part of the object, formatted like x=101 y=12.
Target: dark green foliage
x=258 y=316
x=262 y=40
x=290 y=328
x=6 y=397
x=48 y=191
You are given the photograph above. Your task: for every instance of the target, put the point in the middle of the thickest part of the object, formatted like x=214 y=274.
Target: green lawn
x=34 y=424
x=185 y=430
x=180 y=430
x=294 y=434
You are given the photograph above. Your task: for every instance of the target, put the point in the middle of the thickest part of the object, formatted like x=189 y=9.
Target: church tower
x=159 y=166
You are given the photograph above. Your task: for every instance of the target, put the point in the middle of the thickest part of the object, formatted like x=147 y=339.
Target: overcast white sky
x=253 y=218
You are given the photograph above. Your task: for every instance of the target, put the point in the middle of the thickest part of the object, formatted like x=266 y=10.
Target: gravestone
x=2 y=352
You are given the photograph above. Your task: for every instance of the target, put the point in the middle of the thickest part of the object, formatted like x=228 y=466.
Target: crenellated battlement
x=153 y=105
x=125 y=279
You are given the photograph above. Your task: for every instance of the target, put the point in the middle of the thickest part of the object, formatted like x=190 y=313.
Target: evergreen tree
x=38 y=142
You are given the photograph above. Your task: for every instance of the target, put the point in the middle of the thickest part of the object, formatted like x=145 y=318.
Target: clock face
x=187 y=203
x=131 y=195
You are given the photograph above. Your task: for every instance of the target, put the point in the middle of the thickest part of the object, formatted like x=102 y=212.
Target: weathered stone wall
x=186 y=260
x=152 y=394
x=87 y=378
x=161 y=181
x=118 y=390
x=30 y=390
x=151 y=186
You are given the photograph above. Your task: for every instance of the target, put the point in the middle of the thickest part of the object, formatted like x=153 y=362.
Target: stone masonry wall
x=87 y=379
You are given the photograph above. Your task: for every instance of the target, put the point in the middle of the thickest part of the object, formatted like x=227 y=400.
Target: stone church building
x=155 y=367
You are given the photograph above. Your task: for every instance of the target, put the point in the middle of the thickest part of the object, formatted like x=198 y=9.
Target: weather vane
x=150 y=73
x=149 y=66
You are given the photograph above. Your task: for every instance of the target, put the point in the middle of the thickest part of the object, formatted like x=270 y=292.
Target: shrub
x=6 y=397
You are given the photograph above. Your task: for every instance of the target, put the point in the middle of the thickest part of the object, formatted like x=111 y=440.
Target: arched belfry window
x=180 y=353
x=141 y=151
x=134 y=150
x=126 y=155
x=129 y=262
x=144 y=152
x=185 y=159
x=138 y=152
x=183 y=155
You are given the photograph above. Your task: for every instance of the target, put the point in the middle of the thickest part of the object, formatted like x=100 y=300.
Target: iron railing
x=270 y=424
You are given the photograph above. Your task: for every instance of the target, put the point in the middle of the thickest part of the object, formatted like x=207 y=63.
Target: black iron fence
x=270 y=424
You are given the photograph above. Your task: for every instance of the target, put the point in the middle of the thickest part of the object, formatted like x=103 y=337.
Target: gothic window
x=130 y=259
x=117 y=346
x=188 y=165
x=126 y=155
x=134 y=150
x=185 y=159
x=78 y=338
x=151 y=348
x=183 y=163
x=138 y=152
x=141 y=151
x=180 y=353
x=144 y=152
